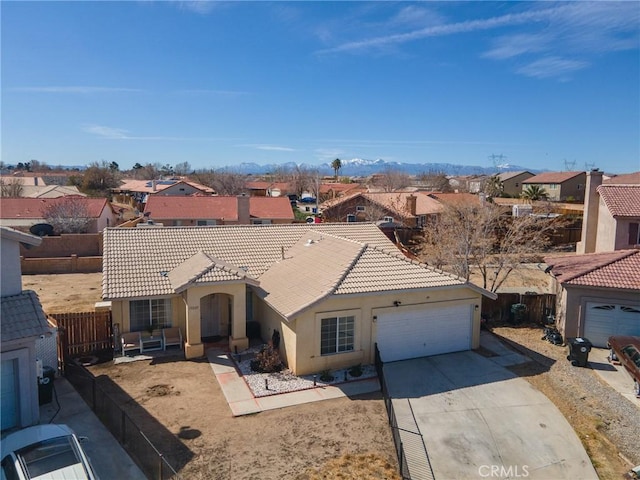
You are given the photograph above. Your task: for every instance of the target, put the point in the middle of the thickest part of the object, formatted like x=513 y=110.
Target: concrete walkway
x=107 y=456
x=242 y=401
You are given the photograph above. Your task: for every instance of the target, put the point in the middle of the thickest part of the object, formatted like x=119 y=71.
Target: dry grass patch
x=347 y=467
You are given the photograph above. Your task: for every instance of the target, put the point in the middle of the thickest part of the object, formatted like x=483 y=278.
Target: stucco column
x=238 y=336
x=193 y=347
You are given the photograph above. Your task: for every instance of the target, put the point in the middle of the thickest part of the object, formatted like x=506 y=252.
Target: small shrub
x=267 y=360
x=325 y=376
x=356 y=370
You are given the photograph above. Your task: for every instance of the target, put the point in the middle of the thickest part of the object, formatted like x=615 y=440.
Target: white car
x=44 y=452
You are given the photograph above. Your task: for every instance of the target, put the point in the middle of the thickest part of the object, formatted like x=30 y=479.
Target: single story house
x=137 y=192
x=23 y=323
x=560 y=186
x=512 y=182
x=408 y=209
x=332 y=291
x=611 y=219
x=218 y=210
x=597 y=294
x=22 y=213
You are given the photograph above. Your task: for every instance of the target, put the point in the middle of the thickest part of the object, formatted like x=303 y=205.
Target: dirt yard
x=73 y=292
x=180 y=406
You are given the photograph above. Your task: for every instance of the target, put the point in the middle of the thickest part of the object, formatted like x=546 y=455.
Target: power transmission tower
x=498 y=161
x=589 y=166
x=569 y=165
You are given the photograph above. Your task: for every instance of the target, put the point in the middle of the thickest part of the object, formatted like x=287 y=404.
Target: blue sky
x=214 y=83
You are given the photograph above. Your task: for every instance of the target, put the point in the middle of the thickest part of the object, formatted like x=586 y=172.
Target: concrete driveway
x=479 y=420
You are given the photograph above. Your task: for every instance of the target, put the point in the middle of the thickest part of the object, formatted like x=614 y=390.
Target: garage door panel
x=417 y=333
x=604 y=320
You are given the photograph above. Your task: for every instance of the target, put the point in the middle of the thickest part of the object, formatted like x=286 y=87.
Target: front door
x=210 y=316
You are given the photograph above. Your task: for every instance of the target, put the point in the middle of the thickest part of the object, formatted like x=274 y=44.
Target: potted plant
x=150 y=328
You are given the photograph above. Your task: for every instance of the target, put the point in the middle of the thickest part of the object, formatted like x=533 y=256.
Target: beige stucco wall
x=573 y=301
x=300 y=338
x=513 y=185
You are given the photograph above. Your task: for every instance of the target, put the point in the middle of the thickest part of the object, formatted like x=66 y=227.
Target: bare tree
x=68 y=215
x=435 y=180
x=485 y=238
x=182 y=168
x=391 y=180
x=11 y=188
x=99 y=178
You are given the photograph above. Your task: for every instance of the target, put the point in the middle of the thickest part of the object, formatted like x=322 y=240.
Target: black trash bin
x=579 y=349
x=45 y=385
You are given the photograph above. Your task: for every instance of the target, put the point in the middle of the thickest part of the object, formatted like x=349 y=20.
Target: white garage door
x=8 y=395
x=419 y=333
x=603 y=320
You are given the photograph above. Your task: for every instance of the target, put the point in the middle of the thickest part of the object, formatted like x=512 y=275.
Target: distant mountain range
x=361 y=167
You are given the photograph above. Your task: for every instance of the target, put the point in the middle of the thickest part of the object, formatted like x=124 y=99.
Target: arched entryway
x=215 y=316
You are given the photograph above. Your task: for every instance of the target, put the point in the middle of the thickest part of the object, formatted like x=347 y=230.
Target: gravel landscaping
x=607 y=423
x=285 y=381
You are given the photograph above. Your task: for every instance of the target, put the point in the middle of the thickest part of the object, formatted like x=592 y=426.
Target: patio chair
x=131 y=341
x=172 y=336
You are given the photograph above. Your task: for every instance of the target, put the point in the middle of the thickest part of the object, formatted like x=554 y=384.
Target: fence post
x=93 y=394
x=160 y=470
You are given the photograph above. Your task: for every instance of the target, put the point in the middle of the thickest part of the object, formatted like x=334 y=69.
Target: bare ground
x=180 y=406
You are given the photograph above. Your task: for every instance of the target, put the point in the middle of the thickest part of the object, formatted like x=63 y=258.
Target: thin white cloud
x=447 y=29
x=74 y=89
x=273 y=148
x=201 y=7
x=111 y=133
x=513 y=45
x=550 y=67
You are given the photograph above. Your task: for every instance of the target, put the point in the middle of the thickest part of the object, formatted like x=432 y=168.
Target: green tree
x=99 y=179
x=534 y=192
x=336 y=165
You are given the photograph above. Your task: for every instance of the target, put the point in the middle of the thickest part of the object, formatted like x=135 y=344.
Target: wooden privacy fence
x=83 y=333
x=538 y=307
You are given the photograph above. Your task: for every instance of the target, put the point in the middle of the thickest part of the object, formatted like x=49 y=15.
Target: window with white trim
x=351 y=218
x=154 y=312
x=388 y=219
x=337 y=335
x=360 y=208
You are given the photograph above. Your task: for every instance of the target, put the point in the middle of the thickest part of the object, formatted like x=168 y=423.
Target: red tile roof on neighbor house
x=626 y=179
x=553 y=177
x=619 y=269
x=456 y=199
x=219 y=207
x=147 y=186
x=36 y=207
x=621 y=200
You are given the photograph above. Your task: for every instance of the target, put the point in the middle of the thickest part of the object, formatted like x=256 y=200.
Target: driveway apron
x=479 y=420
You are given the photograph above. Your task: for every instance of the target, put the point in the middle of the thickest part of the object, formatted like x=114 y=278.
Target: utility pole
x=569 y=165
x=498 y=161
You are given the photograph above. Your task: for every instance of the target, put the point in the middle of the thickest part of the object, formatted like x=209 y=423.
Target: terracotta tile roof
x=136 y=261
x=22 y=317
x=621 y=200
x=35 y=207
x=338 y=187
x=296 y=265
x=394 y=202
x=456 y=198
x=626 y=179
x=553 y=177
x=260 y=185
x=619 y=269
x=162 y=207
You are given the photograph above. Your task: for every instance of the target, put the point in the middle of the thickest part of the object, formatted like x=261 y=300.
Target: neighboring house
x=611 y=218
x=597 y=294
x=332 y=291
x=330 y=190
x=25 y=181
x=512 y=182
x=22 y=213
x=411 y=210
x=218 y=210
x=138 y=191
x=259 y=188
x=23 y=323
x=49 y=191
x=560 y=186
